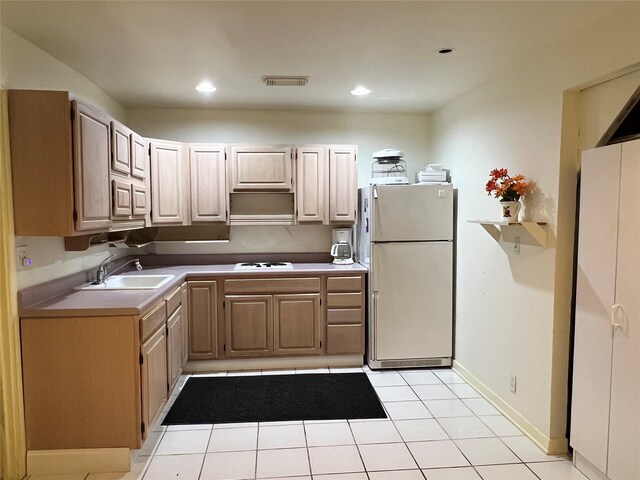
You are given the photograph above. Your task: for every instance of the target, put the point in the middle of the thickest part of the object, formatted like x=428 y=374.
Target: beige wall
x=513 y=310
x=371 y=132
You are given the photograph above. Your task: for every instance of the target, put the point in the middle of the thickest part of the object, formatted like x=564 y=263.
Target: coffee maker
x=342 y=248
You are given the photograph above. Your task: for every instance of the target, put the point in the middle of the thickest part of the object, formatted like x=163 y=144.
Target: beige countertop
x=76 y=303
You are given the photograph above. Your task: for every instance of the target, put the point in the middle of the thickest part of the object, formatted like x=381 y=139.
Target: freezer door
x=411 y=311
x=412 y=212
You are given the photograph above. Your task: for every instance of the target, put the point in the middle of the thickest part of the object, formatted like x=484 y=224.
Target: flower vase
x=510 y=211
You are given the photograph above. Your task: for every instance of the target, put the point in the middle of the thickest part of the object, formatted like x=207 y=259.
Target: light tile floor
x=439 y=428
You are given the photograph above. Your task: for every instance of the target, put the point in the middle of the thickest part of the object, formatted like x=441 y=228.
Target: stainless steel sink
x=130 y=282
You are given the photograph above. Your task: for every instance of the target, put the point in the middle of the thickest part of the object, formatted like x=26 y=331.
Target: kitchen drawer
x=344 y=315
x=344 y=284
x=272 y=285
x=344 y=299
x=174 y=300
x=151 y=321
x=345 y=339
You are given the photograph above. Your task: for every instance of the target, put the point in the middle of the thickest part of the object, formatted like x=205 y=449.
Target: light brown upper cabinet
x=326 y=184
x=311 y=166
x=139 y=157
x=91 y=155
x=208 y=179
x=65 y=155
x=261 y=168
x=343 y=184
x=167 y=183
x=129 y=167
x=121 y=151
x=60 y=153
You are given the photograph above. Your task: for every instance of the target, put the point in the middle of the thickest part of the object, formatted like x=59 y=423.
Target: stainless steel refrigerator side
x=364 y=258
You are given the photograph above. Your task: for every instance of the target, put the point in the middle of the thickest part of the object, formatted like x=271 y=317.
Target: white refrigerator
x=405 y=239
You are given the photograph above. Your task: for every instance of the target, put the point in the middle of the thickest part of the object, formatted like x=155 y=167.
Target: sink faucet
x=101 y=274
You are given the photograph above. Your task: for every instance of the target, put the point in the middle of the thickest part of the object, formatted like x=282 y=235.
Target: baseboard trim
x=78 y=461
x=283 y=363
x=551 y=446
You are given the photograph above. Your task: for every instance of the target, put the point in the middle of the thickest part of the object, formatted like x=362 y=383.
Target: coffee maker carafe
x=342 y=248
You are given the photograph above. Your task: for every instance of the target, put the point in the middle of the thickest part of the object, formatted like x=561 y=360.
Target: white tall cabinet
x=605 y=417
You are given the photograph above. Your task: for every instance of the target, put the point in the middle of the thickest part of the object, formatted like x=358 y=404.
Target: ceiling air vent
x=281 y=81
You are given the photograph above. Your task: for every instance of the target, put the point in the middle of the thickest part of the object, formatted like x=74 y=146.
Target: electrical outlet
x=516 y=245
x=512 y=383
x=22 y=257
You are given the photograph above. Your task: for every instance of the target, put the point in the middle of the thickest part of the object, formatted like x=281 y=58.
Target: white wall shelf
x=537 y=230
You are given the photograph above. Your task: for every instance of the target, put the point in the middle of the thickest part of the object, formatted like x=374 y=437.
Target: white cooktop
x=264 y=266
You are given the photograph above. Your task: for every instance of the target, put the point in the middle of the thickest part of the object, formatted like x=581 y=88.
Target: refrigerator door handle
x=375 y=191
x=375 y=323
x=366 y=228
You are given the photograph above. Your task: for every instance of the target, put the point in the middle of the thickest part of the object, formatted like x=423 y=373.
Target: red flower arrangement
x=505 y=187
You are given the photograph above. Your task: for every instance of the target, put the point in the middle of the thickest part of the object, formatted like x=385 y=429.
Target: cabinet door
x=296 y=326
x=139 y=199
x=185 y=323
x=139 y=156
x=174 y=346
x=203 y=320
x=92 y=153
x=345 y=339
x=310 y=177
x=166 y=183
x=208 y=192
x=122 y=199
x=248 y=325
x=343 y=184
x=120 y=148
x=624 y=427
x=154 y=376
x=595 y=294
x=261 y=168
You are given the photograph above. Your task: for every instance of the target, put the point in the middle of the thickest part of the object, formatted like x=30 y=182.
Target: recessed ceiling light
x=444 y=51
x=206 y=87
x=360 y=91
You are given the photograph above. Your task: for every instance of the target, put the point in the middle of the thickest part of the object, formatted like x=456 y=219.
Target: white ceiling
x=147 y=53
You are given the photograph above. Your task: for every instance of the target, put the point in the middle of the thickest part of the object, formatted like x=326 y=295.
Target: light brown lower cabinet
x=345 y=315
x=248 y=321
x=154 y=377
x=81 y=378
x=184 y=290
x=260 y=325
x=296 y=324
x=175 y=333
x=203 y=319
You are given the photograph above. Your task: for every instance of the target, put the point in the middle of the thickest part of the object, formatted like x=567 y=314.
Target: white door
x=624 y=428
x=412 y=212
x=595 y=294
x=411 y=300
